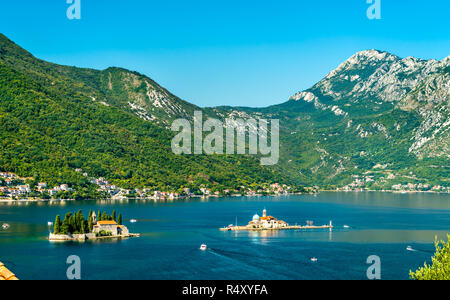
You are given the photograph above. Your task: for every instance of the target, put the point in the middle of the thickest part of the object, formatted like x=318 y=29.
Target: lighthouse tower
x=264 y=213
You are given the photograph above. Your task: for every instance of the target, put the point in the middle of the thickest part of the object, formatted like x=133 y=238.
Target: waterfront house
x=110 y=227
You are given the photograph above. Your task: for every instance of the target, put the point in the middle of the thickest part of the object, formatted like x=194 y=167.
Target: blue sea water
x=381 y=224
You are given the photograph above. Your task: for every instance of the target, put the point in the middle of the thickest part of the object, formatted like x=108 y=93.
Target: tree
x=58 y=224
x=114 y=215
x=90 y=223
x=72 y=224
x=105 y=216
x=79 y=222
x=440 y=268
x=65 y=228
x=120 y=219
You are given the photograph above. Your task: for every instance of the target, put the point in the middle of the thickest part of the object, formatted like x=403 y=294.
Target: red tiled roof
x=106 y=223
x=6 y=274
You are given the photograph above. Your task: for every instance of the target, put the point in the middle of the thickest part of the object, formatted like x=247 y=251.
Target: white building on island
x=266 y=222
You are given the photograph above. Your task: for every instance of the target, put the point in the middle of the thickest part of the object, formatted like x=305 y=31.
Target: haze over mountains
x=376 y=121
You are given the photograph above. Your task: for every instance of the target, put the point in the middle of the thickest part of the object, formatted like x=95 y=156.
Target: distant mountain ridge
x=375 y=109
x=375 y=122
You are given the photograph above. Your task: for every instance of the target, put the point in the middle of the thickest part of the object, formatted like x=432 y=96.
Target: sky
x=236 y=52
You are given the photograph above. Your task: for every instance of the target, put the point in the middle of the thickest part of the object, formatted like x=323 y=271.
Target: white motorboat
x=133 y=221
x=5 y=226
x=203 y=247
x=314 y=259
x=50 y=223
x=346 y=226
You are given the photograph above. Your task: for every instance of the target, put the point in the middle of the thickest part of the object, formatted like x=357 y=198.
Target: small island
x=270 y=223
x=75 y=227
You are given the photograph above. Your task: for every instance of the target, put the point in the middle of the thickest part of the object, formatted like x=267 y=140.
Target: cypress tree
x=57 y=228
x=114 y=215
x=105 y=217
x=71 y=224
x=65 y=228
x=90 y=224
x=120 y=219
x=81 y=222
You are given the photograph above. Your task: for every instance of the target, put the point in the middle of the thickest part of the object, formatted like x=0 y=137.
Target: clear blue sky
x=234 y=52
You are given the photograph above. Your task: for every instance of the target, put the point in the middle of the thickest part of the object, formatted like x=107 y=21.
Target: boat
x=409 y=248
x=314 y=259
x=133 y=221
x=203 y=247
x=346 y=226
x=50 y=223
x=5 y=226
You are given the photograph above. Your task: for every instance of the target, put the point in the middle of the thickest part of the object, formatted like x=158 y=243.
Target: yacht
x=50 y=223
x=5 y=226
x=203 y=247
x=346 y=226
x=314 y=259
x=133 y=221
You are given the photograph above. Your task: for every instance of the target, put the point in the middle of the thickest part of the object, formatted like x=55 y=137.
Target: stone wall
x=71 y=237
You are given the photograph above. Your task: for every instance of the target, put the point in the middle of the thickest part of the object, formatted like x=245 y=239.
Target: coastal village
x=382 y=178
x=13 y=187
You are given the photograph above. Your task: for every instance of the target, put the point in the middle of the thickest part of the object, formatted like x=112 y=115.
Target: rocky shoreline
x=86 y=237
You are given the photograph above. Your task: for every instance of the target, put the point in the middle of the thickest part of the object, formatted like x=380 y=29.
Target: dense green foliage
x=440 y=267
x=72 y=224
x=49 y=126
x=55 y=118
x=76 y=223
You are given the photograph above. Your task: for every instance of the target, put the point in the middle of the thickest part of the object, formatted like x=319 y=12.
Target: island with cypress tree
x=75 y=227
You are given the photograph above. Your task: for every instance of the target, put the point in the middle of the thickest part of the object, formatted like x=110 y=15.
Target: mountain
x=376 y=121
x=111 y=123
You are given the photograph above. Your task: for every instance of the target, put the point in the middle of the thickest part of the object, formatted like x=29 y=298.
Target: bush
x=440 y=268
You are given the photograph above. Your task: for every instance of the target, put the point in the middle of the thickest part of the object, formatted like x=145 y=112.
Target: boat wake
x=410 y=249
x=235 y=255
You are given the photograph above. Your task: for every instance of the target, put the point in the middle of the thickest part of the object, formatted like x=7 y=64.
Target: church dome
x=256 y=218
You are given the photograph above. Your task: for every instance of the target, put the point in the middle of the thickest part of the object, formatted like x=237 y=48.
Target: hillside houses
x=15 y=187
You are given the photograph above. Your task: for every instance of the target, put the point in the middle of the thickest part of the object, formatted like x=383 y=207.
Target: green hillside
x=50 y=125
x=376 y=122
